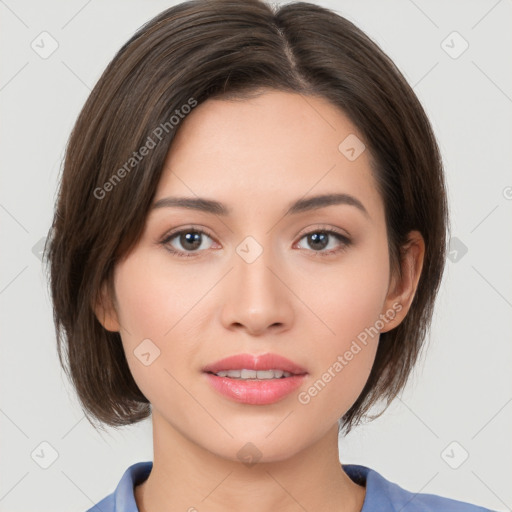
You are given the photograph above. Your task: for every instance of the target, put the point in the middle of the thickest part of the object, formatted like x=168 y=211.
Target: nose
x=257 y=297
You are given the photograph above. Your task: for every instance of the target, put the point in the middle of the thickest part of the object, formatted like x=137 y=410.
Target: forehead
x=276 y=147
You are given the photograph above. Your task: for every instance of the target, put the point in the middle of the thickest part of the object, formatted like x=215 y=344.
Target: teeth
x=254 y=374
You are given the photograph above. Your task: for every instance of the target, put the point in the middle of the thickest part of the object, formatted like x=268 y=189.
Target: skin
x=256 y=156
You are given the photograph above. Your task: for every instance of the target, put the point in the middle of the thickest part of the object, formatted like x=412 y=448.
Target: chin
x=252 y=447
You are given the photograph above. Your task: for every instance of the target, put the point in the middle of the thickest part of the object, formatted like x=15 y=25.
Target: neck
x=186 y=476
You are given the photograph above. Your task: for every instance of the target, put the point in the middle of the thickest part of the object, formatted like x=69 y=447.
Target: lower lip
x=255 y=392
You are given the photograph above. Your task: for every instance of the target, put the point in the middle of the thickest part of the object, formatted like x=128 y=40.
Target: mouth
x=255 y=380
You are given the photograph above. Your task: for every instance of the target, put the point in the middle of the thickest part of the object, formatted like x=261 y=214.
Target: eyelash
x=346 y=242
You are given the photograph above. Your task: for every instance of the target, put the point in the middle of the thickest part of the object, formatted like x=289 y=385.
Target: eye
x=190 y=239
x=326 y=238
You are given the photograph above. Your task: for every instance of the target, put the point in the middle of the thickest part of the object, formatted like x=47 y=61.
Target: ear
x=105 y=310
x=402 y=288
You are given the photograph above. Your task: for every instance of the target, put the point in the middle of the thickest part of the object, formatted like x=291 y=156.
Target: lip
x=267 y=361
x=254 y=392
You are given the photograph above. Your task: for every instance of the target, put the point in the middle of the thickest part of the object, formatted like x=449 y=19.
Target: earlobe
x=403 y=288
x=105 y=311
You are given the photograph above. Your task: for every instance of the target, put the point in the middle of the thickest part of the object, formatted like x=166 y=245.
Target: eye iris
x=314 y=238
x=190 y=238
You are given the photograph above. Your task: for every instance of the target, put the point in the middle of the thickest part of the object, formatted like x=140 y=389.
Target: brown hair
x=229 y=48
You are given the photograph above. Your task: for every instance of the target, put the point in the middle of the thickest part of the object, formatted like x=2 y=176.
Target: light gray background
x=460 y=392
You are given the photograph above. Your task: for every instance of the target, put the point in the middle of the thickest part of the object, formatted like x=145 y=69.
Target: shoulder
x=383 y=495
x=122 y=499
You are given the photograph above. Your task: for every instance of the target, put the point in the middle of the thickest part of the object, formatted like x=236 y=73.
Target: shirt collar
x=376 y=498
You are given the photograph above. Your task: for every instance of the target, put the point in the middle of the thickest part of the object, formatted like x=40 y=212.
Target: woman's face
x=260 y=279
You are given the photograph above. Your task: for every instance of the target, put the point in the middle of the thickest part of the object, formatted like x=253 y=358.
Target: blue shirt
x=381 y=494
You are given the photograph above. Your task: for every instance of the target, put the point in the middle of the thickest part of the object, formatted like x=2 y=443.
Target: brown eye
x=319 y=240
x=185 y=241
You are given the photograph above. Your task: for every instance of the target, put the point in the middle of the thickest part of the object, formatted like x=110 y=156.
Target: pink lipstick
x=255 y=380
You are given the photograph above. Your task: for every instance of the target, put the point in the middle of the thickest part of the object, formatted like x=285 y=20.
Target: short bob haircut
x=230 y=49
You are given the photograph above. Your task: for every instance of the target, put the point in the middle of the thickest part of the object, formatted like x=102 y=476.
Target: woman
x=247 y=246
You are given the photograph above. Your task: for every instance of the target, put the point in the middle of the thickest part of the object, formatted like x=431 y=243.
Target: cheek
x=343 y=365
x=350 y=306
x=152 y=298
x=350 y=299
x=156 y=302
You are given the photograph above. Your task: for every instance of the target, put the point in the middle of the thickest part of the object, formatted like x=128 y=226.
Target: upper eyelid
x=171 y=234
x=324 y=227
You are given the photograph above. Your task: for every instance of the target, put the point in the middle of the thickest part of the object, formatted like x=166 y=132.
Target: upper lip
x=255 y=362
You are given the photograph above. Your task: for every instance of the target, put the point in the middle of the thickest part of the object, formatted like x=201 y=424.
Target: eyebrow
x=299 y=206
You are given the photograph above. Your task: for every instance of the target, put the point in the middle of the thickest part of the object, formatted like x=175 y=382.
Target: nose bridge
x=257 y=297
